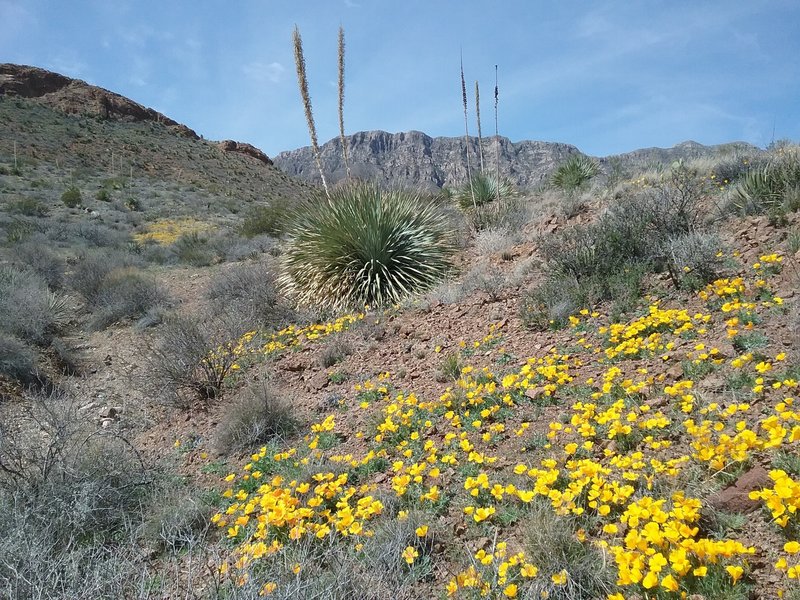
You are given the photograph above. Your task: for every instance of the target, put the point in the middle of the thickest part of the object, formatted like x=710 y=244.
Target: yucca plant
x=575 y=173
x=482 y=189
x=368 y=247
x=770 y=188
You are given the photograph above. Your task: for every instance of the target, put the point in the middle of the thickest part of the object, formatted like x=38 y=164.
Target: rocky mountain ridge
x=416 y=159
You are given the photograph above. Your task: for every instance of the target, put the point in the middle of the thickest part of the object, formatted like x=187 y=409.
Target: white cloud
x=261 y=72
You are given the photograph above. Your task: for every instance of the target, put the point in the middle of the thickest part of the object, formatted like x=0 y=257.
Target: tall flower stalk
x=341 y=101
x=466 y=130
x=302 y=81
x=478 y=118
x=496 y=133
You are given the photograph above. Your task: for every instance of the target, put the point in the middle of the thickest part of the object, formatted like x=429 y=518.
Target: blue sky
x=606 y=76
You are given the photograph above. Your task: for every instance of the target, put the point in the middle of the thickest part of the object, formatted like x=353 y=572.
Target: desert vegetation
x=218 y=383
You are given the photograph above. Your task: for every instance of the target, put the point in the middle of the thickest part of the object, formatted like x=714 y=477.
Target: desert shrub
x=124 y=294
x=28 y=309
x=192 y=358
x=19 y=229
x=30 y=207
x=482 y=189
x=731 y=169
x=271 y=219
x=550 y=303
x=252 y=248
x=93 y=266
x=247 y=292
x=575 y=173
x=366 y=247
x=93 y=234
x=494 y=240
x=487 y=279
x=177 y=522
x=773 y=187
x=335 y=351
x=71 y=494
x=260 y=415
x=71 y=197
x=194 y=249
x=694 y=259
x=552 y=545
x=17 y=360
x=35 y=255
x=673 y=204
x=383 y=552
x=103 y=195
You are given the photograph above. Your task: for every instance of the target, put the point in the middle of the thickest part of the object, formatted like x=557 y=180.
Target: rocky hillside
x=416 y=159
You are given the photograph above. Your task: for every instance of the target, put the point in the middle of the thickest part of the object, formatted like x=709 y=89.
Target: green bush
x=30 y=207
x=575 y=173
x=271 y=219
x=71 y=197
x=366 y=247
x=482 y=189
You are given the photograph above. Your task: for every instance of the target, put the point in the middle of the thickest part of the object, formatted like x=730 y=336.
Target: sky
x=607 y=76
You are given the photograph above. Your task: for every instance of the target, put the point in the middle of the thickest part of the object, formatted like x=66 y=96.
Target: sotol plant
x=368 y=247
x=575 y=173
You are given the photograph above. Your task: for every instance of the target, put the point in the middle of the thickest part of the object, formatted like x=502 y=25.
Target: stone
x=736 y=498
x=108 y=412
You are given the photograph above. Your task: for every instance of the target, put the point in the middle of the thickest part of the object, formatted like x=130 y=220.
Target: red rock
x=736 y=498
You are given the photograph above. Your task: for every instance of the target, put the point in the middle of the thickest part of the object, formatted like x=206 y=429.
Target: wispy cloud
x=262 y=72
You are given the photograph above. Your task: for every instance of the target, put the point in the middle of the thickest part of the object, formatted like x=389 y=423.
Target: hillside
x=594 y=397
x=415 y=159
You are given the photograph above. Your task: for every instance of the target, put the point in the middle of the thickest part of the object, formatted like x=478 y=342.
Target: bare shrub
x=694 y=259
x=192 y=358
x=247 y=292
x=71 y=494
x=487 y=279
x=258 y=416
x=494 y=240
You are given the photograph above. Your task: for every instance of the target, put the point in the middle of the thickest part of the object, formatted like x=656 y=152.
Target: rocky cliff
x=415 y=159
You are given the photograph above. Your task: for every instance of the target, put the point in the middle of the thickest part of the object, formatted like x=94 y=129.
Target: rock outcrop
x=73 y=96
x=243 y=148
x=416 y=159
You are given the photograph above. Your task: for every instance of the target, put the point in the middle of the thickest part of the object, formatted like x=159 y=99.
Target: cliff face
x=415 y=159
x=73 y=96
